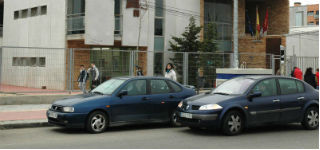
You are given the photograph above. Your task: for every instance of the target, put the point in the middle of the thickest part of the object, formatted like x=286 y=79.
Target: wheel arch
x=98 y=109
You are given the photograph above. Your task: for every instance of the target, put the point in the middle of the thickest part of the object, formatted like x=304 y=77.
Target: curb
x=4 y=125
x=30 y=99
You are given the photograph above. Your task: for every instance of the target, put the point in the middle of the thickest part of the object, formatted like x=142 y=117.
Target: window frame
x=150 y=90
x=280 y=90
x=277 y=86
x=172 y=89
x=147 y=91
x=118 y=32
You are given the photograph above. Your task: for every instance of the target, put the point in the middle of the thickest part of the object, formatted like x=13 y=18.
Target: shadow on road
x=250 y=131
x=113 y=129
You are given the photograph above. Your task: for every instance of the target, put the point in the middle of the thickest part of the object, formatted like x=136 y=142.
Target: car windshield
x=108 y=87
x=235 y=86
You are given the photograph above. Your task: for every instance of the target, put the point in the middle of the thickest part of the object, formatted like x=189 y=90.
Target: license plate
x=53 y=114
x=186 y=115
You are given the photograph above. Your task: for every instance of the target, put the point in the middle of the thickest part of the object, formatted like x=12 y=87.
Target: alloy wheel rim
x=313 y=118
x=98 y=123
x=234 y=123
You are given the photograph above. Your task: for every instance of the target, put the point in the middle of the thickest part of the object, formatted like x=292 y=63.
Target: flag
x=265 y=23
x=257 y=24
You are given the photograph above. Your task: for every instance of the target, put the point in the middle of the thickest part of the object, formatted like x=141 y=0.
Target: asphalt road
x=160 y=136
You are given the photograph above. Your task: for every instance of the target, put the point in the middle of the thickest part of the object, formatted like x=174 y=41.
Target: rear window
x=175 y=87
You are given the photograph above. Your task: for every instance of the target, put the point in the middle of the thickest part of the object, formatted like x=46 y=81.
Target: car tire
x=97 y=122
x=311 y=118
x=173 y=120
x=233 y=123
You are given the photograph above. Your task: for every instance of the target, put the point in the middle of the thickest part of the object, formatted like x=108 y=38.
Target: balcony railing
x=75 y=24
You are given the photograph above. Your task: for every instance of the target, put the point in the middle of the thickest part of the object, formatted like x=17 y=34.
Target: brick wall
x=313 y=8
x=278 y=16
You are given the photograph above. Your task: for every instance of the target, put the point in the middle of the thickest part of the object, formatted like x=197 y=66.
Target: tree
x=188 y=42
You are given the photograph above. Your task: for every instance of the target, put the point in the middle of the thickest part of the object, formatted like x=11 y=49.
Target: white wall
x=45 y=31
x=309 y=44
x=99 y=22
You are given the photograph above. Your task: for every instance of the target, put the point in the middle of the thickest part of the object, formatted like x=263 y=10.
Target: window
x=16 y=14
x=137 y=87
x=158 y=27
x=310 y=23
x=310 y=13
x=175 y=87
x=15 y=61
x=158 y=65
x=288 y=86
x=234 y=86
x=43 y=10
x=266 y=87
x=299 y=18
x=317 y=23
x=159 y=87
x=24 y=13
x=33 y=62
x=117 y=16
x=159 y=8
x=42 y=61
x=300 y=86
x=34 y=11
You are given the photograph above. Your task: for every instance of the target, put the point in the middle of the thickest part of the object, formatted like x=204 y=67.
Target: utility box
x=224 y=74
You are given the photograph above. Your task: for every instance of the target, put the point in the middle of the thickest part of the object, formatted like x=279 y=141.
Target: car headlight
x=210 y=107
x=68 y=109
x=180 y=104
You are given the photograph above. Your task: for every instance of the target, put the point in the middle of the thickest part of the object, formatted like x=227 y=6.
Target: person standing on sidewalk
x=94 y=73
x=139 y=71
x=310 y=78
x=170 y=73
x=82 y=79
x=297 y=73
x=317 y=78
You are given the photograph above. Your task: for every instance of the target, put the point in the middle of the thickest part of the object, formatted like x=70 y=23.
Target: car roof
x=260 y=77
x=138 y=77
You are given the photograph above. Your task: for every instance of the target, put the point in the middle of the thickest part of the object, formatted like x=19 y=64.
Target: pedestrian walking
x=139 y=71
x=94 y=73
x=170 y=73
x=317 y=78
x=82 y=79
x=297 y=73
x=310 y=78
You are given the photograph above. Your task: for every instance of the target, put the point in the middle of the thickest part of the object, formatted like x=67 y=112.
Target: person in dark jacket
x=310 y=78
x=94 y=73
x=139 y=71
x=82 y=79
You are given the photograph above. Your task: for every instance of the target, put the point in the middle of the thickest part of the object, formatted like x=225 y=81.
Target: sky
x=304 y=2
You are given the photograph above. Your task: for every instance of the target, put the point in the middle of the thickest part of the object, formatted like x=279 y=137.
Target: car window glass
x=175 y=87
x=136 y=87
x=266 y=87
x=300 y=86
x=288 y=86
x=159 y=87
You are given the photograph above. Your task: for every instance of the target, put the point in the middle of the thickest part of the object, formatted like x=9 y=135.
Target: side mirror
x=122 y=93
x=253 y=95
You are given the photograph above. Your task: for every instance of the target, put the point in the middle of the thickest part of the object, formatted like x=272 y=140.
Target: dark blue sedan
x=120 y=101
x=250 y=101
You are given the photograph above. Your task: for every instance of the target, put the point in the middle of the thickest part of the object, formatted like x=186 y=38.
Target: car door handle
x=171 y=96
x=300 y=98
x=146 y=98
x=276 y=100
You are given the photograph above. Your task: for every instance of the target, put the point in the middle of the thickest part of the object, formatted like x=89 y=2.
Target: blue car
x=120 y=101
x=251 y=101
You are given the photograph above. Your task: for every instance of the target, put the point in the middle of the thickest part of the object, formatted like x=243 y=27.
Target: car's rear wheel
x=97 y=122
x=233 y=123
x=173 y=120
x=311 y=118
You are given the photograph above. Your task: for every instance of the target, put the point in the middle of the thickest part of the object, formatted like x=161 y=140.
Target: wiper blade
x=97 y=92
x=221 y=93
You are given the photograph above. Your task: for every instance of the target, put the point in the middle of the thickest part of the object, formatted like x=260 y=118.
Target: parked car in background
x=120 y=101
x=250 y=101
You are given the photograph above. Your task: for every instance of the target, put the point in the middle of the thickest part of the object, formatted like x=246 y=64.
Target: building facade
x=93 y=27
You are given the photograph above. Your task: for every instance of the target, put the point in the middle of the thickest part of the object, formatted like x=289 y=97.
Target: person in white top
x=170 y=73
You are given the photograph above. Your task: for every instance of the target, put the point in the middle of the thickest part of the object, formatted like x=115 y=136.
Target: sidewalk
x=17 y=116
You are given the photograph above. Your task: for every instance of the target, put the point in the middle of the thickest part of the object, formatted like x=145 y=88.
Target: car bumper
x=200 y=120
x=69 y=120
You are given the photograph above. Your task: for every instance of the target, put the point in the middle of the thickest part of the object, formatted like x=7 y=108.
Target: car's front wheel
x=233 y=123
x=173 y=120
x=97 y=122
x=311 y=118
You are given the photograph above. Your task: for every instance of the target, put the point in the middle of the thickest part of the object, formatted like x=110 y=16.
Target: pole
x=235 y=34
